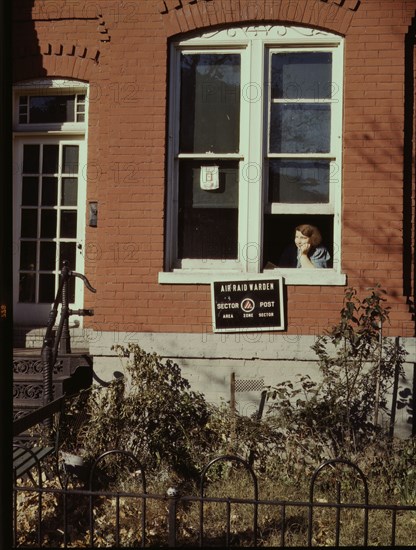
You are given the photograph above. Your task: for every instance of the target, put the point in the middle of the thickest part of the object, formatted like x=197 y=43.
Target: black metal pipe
x=173 y=495
x=64 y=338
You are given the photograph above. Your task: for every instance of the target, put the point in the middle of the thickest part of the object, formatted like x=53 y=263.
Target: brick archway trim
x=180 y=16
x=57 y=60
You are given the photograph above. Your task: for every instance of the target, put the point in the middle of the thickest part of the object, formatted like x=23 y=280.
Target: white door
x=49 y=199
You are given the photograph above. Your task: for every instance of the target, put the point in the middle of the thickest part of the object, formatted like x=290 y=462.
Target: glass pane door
x=48 y=192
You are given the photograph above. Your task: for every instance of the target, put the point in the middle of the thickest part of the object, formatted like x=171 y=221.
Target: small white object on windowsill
x=209 y=178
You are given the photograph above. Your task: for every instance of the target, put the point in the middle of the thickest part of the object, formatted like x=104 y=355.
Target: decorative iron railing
x=177 y=527
x=61 y=341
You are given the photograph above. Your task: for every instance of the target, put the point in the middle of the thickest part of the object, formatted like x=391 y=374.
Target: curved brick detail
x=70 y=50
x=57 y=57
x=180 y=16
x=67 y=11
x=60 y=60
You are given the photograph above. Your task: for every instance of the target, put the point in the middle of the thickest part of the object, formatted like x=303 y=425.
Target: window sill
x=51 y=129
x=317 y=277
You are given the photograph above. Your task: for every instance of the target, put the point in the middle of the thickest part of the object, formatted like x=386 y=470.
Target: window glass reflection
x=51 y=109
x=69 y=191
x=208 y=219
x=50 y=159
x=27 y=287
x=299 y=181
x=27 y=255
x=300 y=75
x=70 y=159
x=210 y=103
x=47 y=255
x=46 y=288
x=68 y=224
x=49 y=191
x=31 y=159
x=48 y=224
x=30 y=190
x=300 y=128
x=29 y=223
x=68 y=252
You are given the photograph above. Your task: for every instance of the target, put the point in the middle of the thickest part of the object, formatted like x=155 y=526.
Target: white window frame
x=52 y=86
x=255 y=44
x=67 y=133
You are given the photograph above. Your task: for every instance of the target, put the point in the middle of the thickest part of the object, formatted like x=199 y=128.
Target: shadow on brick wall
x=26 y=51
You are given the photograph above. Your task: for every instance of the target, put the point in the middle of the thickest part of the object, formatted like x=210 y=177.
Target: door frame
x=35 y=314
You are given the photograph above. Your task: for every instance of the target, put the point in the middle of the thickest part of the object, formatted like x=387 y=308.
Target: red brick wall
x=120 y=48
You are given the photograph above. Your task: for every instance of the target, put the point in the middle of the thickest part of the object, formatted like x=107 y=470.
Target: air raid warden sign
x=247 y=305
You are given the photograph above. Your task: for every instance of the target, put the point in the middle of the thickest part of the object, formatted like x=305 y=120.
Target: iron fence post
x=65 y=343
x=47 y=369
x=173 y=495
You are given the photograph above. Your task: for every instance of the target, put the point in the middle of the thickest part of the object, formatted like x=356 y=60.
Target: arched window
x=255 y=143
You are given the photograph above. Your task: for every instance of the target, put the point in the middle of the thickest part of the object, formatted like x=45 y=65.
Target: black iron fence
x=90 y=516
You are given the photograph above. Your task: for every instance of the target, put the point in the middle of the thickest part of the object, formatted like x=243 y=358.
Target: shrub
x=339 y=416
x=151 y=412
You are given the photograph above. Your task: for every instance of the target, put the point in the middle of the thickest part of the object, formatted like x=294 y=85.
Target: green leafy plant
x=151 y=412
x=339 y=415
x=174 y=432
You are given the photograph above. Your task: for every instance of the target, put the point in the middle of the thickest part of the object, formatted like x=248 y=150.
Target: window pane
x=298 y=181
x=80 y=114
x=48 y=224
x=67 y=252
x=70 y=159
x=301 y=75
x=31 y=159
x=23 y=109
x=46 y=288
x=27 y=287
x=49 y=191
x=208 y=220
x=300 y=128
x=69 y=191
x=210 y=103
x=47 y=255
x=68 y=224
x=27 y=255
x=50 y=159
x=29 y=225
x=30 y=191
x=47 y=109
